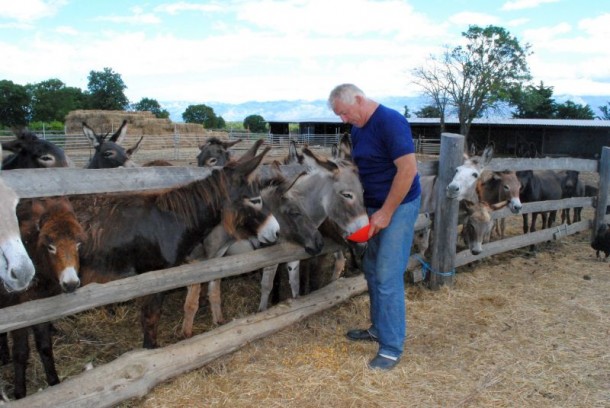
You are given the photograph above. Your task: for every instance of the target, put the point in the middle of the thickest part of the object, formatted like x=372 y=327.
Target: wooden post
x=604 y=182
x=445 y=212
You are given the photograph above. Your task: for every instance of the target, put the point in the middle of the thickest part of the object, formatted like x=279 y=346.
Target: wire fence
x=178 y=149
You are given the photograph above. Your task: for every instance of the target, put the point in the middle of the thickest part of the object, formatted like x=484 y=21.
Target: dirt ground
x=519 y=329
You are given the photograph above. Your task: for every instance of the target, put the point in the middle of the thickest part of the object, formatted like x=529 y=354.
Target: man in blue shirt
x=384 y=152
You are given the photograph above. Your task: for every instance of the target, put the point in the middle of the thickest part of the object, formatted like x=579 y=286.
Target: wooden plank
x=508 y=244
x=562 y=163
x=94 y=295
x=446 y=212
x=540 y=206
x=604 y=188
x=31 y=183
x=135 y=373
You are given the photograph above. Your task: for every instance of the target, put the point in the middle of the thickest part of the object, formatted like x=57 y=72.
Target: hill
x=301 y=109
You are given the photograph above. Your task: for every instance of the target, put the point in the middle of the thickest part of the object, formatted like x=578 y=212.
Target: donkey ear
x=293 y=155
x=251 y=152
x=90 y=135
x=247 y=168
x=345 y=147
x=228 y=145
x=132 y=150
x=120 y=134
x=294 y=181
x=488 y=154
x=315 y=163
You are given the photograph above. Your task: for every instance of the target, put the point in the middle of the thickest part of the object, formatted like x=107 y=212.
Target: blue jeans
x=384 y=263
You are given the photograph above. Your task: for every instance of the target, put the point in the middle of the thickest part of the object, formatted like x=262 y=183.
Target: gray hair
x=345 y=93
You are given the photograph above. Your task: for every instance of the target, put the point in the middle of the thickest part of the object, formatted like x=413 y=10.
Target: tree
x=255 y=124
x=52 y=100
x=534 y=102
x=204 y=115
x=571 y=110
x=431 y=80
x=478 y=75
x=429 y=111
x=106 y=90
x=14 y=104
x=605 y=110
x=151 y=105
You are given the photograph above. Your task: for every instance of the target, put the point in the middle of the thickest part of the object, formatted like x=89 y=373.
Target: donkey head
x=108 y=152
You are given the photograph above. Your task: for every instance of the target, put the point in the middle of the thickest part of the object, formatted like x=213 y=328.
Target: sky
x=234 y=51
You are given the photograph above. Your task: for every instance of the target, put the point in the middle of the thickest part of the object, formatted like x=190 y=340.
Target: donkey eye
x=51 y=248
x=475 y=175
x=212 y=161
x=256 y=201
x=108 y=154
x=347 y=195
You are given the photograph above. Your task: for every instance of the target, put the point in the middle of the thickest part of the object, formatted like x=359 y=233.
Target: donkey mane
x=184 y=201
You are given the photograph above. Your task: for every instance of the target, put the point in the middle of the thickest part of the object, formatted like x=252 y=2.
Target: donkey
x=331 y=190
x=571 y=186
x=295 y=225
x=30 y=152
x=108 y=152
x=215 y=152
x=539 y=185
x=133 y=233
x=477 y=223
x=16 y=267
x=53 y=237
x=501 y=186
x=464 y=182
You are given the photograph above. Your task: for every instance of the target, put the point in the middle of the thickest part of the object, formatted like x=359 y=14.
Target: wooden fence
x=135 y=373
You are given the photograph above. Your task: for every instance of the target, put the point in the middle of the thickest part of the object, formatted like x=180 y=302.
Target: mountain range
x=300 y=110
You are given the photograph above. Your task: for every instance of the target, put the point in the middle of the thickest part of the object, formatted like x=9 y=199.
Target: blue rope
x=425 y=266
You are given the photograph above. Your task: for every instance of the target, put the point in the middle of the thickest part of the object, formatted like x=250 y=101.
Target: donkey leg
x=191 y=305
x=339 y=265
x=215 y=301
x=5 y=354
x=266 y=286
x=293 y=277
x=44 y=345
x=21 y=353
x=149 y=318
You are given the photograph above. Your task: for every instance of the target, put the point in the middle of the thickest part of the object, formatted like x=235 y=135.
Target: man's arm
x=406 y=170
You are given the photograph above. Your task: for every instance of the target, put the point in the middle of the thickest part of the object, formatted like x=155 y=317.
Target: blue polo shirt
x=385 y=137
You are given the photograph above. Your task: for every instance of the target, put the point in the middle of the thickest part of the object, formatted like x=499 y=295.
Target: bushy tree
x=534 y=102
x=605 y=110
x=429 y=111
x=52 y=100
x=204 y=115
x=151 y=105
x=571 y=110
x=478 y=75
x=255 y=123
x=14 y=104
x=106 y=90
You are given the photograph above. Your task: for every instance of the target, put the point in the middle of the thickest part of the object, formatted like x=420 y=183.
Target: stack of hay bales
x=158 y=133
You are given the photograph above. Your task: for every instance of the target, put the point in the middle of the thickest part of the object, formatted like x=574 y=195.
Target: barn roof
x=478 y=121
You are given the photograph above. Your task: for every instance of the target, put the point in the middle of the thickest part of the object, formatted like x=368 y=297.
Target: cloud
x=66 y=30
x=524 y=4
x=467 y=18
x=138 y=17
x=30 y=10
x=176 y=8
